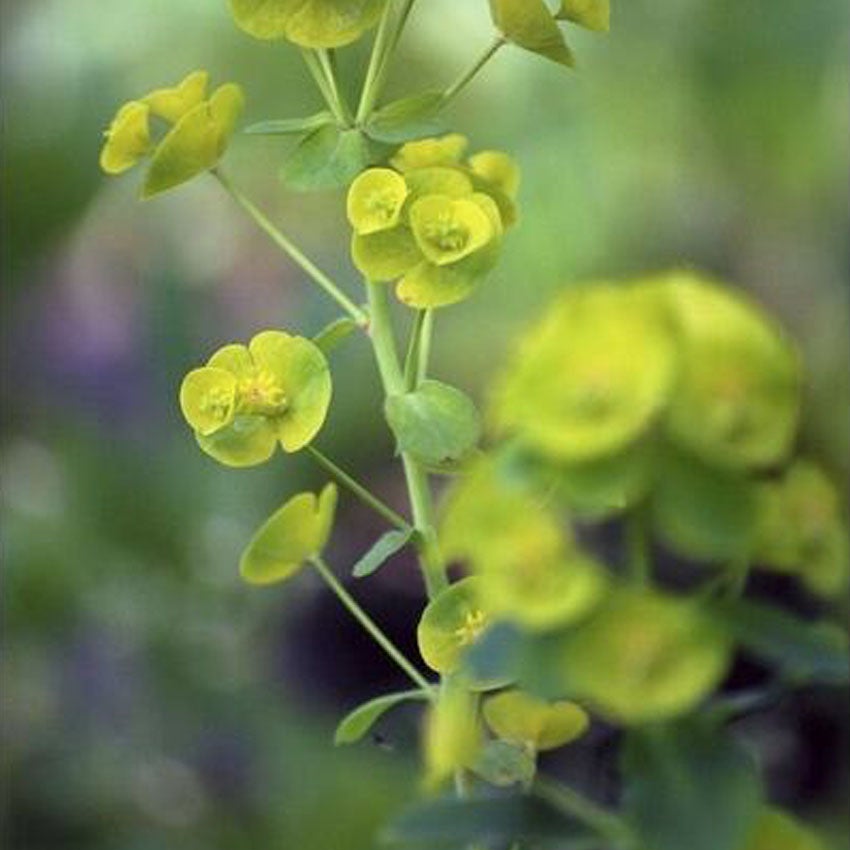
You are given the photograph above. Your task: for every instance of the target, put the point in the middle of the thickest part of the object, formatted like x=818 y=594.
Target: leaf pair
x=198 y=136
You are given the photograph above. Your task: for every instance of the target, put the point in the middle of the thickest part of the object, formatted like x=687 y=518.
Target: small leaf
x=500 y=820
x=502 y=764
x=435 y=423
x=384 y=547
x=327 y=159
x=330 y=336
x=290 y=126
x=530 y=24
x=358 y=722
x=413 y=117
x=803 y=651
x=689 y=785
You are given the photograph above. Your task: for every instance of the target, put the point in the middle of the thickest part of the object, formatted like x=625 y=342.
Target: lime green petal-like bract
x=308 y=23
x=127 y=139
x=173 y=103
x=524 y=719
x=292 y=535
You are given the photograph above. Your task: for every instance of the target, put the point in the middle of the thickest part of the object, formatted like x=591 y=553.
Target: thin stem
x=292 y=251
x=371 y=626
x=395 y=37
x=386 y=354
x=600 y=820
x=425 y=346
x=383 y=41
x=414 y=351
x=737 y=574
x=637 y=545
x=327 y=66
x=358 y=489
x=467 y=76
x=317 y=72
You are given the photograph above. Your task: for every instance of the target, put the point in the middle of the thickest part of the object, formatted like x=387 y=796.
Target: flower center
x=446 y=233
x=261 y=394
x=216 y=403
x=383 y=205
x=473 y=625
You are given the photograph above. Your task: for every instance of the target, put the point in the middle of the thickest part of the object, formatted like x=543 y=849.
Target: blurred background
x=151 y=701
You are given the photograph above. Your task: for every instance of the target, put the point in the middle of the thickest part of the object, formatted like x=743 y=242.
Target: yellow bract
x=434 y=224
x=197 y=139
x=308 y=23
x=534 y=723
x=248 y=399
x=128 y=138
x=592 y=14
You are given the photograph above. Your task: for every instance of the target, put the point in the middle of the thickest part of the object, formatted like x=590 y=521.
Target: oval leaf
x=332 y=334
x=358 y=722
x=290 y=126
x=327 y=159
x=383 y=548
x=436 y=423
x=410 y=118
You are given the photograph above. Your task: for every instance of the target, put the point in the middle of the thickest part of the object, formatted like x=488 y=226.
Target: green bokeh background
x=150 y=700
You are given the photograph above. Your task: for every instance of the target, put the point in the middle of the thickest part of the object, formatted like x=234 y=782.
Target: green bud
x=643 y=657
x=308 y=23
x=128 y=138
x=534 y=723
x=375 y=200
x=291 y=536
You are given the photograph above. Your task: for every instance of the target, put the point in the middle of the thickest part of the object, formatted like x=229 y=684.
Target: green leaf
x=435 y=423
x=413 y=117
x=358 y=722
x=332 y=334
x=803 y=651
x=502 y=764
x=290 y=126
x=384 y=547
x=327 y=159
x=530 y=24
x=501 y=820
x=292 y=535
x=703 y=512
x=689 y=785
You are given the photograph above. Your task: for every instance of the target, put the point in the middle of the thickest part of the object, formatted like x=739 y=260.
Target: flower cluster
x=432 y=222
x=247 y=399
x=198 y=130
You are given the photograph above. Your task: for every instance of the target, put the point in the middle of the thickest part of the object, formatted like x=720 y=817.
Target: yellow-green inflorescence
x=195 y=131
x=432 y=222
x=247 y=399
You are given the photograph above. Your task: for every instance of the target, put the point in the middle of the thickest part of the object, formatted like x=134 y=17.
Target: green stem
x=737 y=574
x=292 y=251
x=637 y=545
x=314 y=66
x=371 y=626
x=327 y=66
x=414 y=351
x=386 y=355
x=600 y=820
x=425 y=346
x=358 y=489
x=380 y=49
x=467 y=76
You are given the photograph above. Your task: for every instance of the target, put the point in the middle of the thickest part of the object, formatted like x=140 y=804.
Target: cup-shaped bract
x=591 y=14
x=445 y=150
x=592 y=377
x=447 y=230
x=530 y=25
x=778 y=830
x=534 y=723
x=195 y=142
x=128 y=139
x=375 y=200
x=802 y=529
x=451 y=623
x=250 y=398
x=643 y=657
x=528 y=567
x=737 y=399
x=288 y=539
x=308 y=23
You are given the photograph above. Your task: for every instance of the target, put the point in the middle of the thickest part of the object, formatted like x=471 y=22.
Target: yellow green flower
x=534 y=723
x=643 y=657
x=432 y=223
x=194 y=143
x=802 y=529
x=592 y=377
x=308 y=23
x=737 y=399
x=246 y=400
x=291 y=536
x=778 y=830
